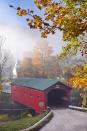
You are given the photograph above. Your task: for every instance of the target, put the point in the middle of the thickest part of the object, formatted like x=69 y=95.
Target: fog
x=20 y=40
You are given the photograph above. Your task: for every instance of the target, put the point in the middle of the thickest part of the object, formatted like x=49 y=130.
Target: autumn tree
x=42 y=63
x=25 y=67
x=45 y=62
x=54 y=68
x=79 y=81
x=68 y=64
x=41 y=57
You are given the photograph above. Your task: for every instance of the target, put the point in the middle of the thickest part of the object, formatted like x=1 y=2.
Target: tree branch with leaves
x=69 y=16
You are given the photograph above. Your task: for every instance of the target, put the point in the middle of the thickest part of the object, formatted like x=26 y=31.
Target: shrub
x=4 y=118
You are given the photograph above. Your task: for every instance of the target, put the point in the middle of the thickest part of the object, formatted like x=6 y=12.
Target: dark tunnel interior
x=57 y=98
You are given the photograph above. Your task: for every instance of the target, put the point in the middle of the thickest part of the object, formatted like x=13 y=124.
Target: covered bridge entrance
x=57 y=98
x=58 y=95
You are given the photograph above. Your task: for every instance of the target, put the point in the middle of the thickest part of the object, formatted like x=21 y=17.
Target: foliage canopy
x=69 y=16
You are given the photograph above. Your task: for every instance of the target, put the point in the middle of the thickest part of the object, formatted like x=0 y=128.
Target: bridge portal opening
x=57 y=98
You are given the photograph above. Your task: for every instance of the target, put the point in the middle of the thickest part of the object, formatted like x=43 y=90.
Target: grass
x=17 y=125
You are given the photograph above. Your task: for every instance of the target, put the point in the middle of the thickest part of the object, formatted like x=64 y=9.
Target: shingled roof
x=36 y=83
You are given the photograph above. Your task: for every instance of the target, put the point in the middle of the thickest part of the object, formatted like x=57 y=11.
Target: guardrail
x=40 y=123
x=78 y=108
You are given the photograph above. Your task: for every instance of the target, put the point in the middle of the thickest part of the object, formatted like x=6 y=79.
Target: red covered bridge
x=37 y=94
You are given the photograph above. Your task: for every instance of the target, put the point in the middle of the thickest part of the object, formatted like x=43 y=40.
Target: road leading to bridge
x=67 y=120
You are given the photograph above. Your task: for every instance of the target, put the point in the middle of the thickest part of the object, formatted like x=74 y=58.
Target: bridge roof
x=36 y=83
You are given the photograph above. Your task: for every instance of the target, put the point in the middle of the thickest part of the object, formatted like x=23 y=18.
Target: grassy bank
x=17 y=125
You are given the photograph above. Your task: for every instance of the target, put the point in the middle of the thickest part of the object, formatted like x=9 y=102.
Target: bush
x=4 y=118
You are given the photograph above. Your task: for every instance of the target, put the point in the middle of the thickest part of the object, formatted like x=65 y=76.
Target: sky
x=18 y=37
